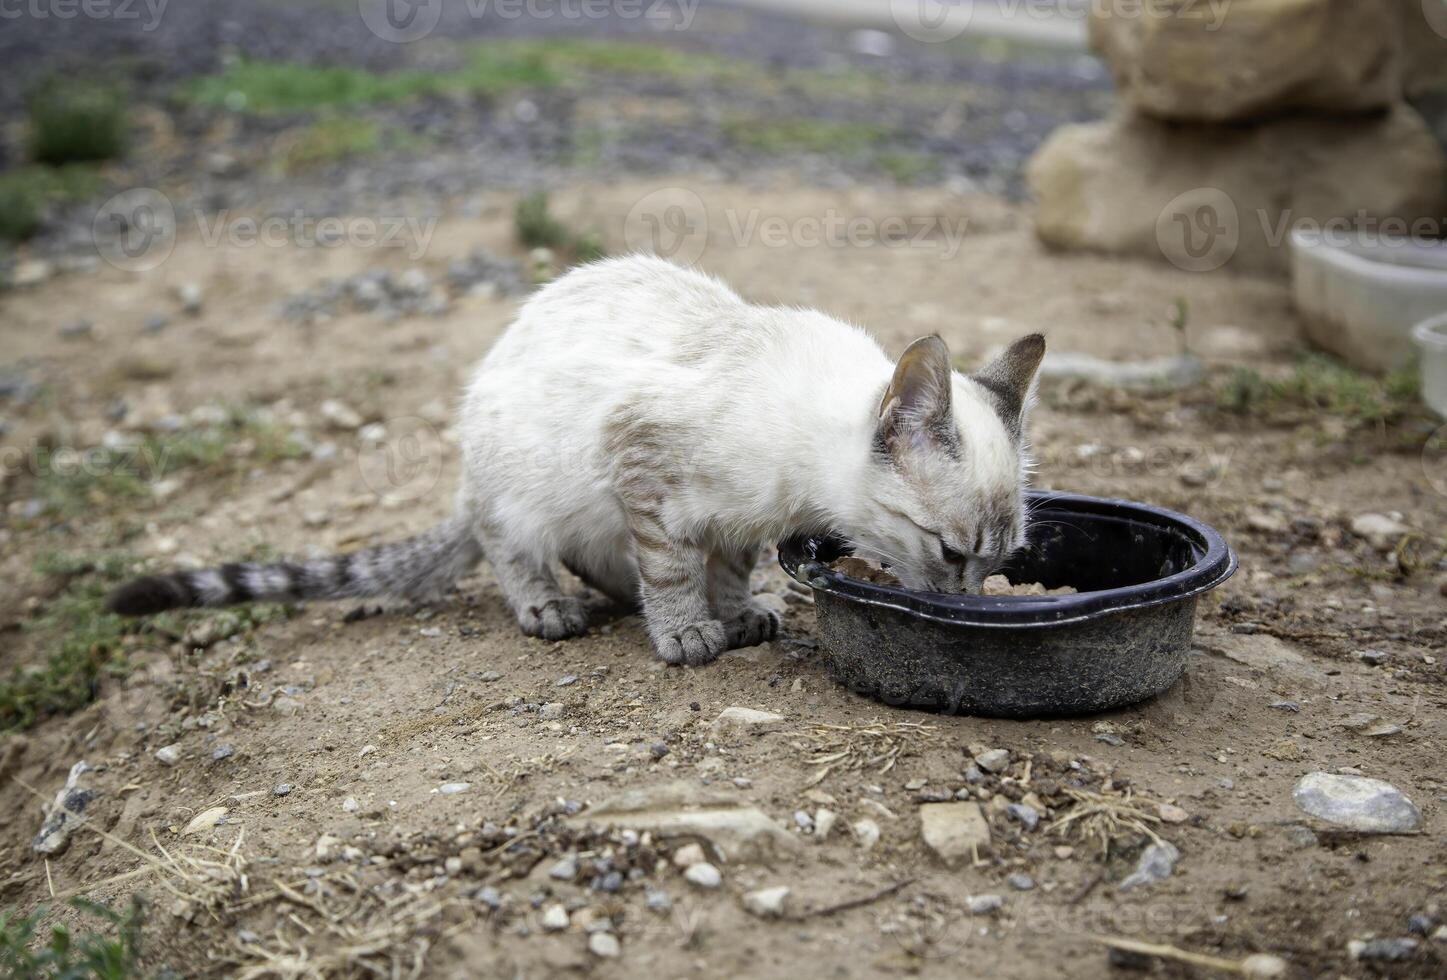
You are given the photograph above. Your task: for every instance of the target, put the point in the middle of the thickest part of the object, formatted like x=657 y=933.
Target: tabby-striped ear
x=1010 y=377
x=917 y=409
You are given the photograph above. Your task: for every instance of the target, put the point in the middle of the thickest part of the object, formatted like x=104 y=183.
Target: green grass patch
x=73 y=483
x=1319 y=385
x=113 y=954
x=26 y=193
x=332 y=140
x=780 y=136
x=909 y=168
x=77 y=121
x=535 y=227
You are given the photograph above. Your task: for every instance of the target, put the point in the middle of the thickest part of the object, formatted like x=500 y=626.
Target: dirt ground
x=368 y=859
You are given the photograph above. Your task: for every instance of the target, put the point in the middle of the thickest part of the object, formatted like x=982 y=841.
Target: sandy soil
x=366 y=719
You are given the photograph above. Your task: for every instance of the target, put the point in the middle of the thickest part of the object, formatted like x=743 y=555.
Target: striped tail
x=418 y=567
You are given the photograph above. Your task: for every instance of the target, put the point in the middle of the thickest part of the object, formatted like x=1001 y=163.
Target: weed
x=1322 y=386
x=535 y=227
x=805 y=135
x=90 y=956
x=28 y=192
x=76 y=121
x=329 y=141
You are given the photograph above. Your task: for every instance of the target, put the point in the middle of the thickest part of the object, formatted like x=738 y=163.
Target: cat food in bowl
x=1122 y=635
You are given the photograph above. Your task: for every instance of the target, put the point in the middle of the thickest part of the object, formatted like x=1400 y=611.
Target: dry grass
x=874 y=745
x=1106 y=817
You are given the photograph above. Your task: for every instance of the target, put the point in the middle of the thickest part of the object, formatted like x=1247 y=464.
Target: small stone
x=452 y=789
x=1021 y=881
x=803 y=821
x=767 y=903
x=704 y=875
x=191 y=298
x=1109 y=738
x=954 y=831
x=1382 y=950
x=551 y=711
x=973 y=775
x=453 y=865
x=1381 y=531
x=657 y=900
x=281 y=789
x=224 y=751
x=866 y=831
x=567 y=680
x=983 y=904
x=555 y=918
x=605 y=944
x=76 y=329
x=688 y=855
x=204 y=821
x=1026 y=815
x=564 y=870
x=31 y=272
x=610 y=882
x=746 y=720
x=350 y=805
x=1170 y=813
x=824 y=820
x=284 y=705
x=1300 y=837
x=1368 y=806
x=326 y=847
x=994 y=760
x=1372 y=658
x=658 y=750
x=1156 y=863
x=168 y=755
x=340 y=415
x=1263 y=966
x=490 y=897
x=1419 y=925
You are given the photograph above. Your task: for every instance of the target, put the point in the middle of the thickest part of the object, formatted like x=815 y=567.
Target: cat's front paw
x=556 y=619
x=752 y=626
x=695 y=644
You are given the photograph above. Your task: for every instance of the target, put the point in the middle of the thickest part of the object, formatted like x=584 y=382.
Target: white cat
x=642 y=425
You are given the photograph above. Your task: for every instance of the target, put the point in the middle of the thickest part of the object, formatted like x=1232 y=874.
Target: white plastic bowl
x=1361 y=297
x=1431 y=338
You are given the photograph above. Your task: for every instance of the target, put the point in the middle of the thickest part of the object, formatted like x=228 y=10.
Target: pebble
x=1156 y=863
x=610 y=882
x=704 y=875
x=340 y=415
x=657 y=900
x=1419 y=925
x=451 y=789
x=688 y=855
x=191 y=298
x=983 y=904
x=767 y=903
x=157 y=322
x=994 y=760
x=955 y=831
x=1381 y=531
x=866 y=831
x=803 y=821
x=168 y=755
x=824 y=820
x=490 y=897
x=564 y=870
x=1021 y=881
x=350 y=805
x=568 y=680
x=555 y=919
x=605 y=944
x=1368 y=806
x=746 y=720
x=204 y=821
x=1388 y=950
x=1026 y=815
x=77 y=329
x=224 y=751
x=551 y=711
x=281 y=789
x=1170 y=813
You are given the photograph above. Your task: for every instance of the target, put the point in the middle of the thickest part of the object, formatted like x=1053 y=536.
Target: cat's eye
x=950 y=554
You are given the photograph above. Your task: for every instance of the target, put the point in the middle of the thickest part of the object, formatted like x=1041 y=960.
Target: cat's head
x=942 y=499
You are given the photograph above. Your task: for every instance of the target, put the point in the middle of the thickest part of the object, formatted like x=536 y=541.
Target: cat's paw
x=556 y=619
x=751 y=626
x=693 y=645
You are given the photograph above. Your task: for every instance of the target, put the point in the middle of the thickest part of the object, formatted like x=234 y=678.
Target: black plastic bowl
x=1124 y=637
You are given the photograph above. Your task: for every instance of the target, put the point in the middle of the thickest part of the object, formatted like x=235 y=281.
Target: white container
x=1431 y=338
x=1360 y=295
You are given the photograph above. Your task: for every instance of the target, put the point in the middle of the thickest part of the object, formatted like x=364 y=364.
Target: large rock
x=1368 y=806
x=957 y=832
x=1215 y=62
x=1205 y=196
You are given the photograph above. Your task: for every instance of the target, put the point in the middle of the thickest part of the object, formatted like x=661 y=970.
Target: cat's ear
x=916 y=407
x=1010 y=378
